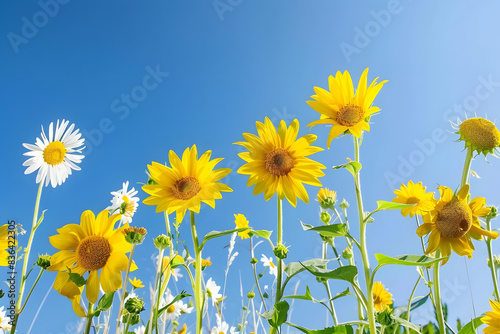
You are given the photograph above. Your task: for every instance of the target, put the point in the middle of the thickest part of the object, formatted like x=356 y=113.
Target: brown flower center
x=186 y=188
x=279 y=162
x=412 y=200
x=93 y=252
x=454 y=220
x=350 y=115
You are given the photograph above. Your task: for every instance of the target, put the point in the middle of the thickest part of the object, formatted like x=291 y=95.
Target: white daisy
x=140 y=330
x=125 y=203
x=54 y=157
x=268 y=262
x=173 y=311
x=221 y=327
x=4 y=320
x=212 y=290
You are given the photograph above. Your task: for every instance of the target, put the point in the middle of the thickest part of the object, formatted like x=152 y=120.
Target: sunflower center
x=377 y=299
x=481 y=133
x=279 y=162
x=93 y=252
x=412 y=200
x=186 y=188
x=171 y=309
x=454 y=220
x=54 y=153
x=350 y=115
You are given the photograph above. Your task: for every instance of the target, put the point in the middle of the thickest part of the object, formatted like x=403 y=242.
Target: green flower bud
x=493 y=213
x=134 y=318
x=245 y=308
x=134 y=305
x=347 y=254
x=325 y=217
x=496 y=261
x=344 y=204
x=254 y=260
x=162 y=242
x=250 y=295
x=43 y=261
x=280 y=251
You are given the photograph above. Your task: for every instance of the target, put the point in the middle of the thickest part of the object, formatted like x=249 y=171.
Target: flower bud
x=280 y=251
x=250 y=295
x=134 y=305
x=162 y=242
x=254 y=260
x=325 y=217
x=135 y=235
x=347 y=254
x=43 y=261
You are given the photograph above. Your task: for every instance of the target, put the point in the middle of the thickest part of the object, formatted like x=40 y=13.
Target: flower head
x=241 y=222
x=453 y=222
x=221 y=328
x=268 y=262
x=4 y=245
x=492 y=318
x=212 y=291
x=95 y=247
x=327 y=198
x=277 y=161
x=175 y=309
x=382 y=299
x=480 y=135
x=4 y=319
x=186 y=184
x=54 y=157
x=343 y=109
x=124 y=202
x=414 y=194
x=136 y=283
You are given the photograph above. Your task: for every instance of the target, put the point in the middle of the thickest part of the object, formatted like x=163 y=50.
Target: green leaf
x=341 y=294
x=345 y=329
x=277 y=316
x=407 y=260
x=216 y=234
x=294 y=268
x=334 y=230
x=346 y=273
x=180 y=296
x=353 y=167
x=261 y=233
x=40 y=220
x=403 y=309
x=384 y=205
x=105 y=302
x=405 y=323
x=471 y=326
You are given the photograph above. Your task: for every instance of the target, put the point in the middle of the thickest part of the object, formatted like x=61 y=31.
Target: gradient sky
x=222 y=65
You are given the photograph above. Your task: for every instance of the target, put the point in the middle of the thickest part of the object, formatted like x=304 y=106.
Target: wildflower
x=221 y=328
x=480 y=134
x=241 y=221
x=4 y=245
x=54 y=157
x=134 y=305
x=327 y=198
x=175 y=309
x=43 y=261
x=162 y=241
x=492 y=318
x=414 y=194
x=183 y=330
x=268 y=262
x=382 y=299
x=140 y=330
x=135 y=235
x=124 y=203
x=277 y=161
x=91 y=246
x=453 y=222
x=4 y=319
x=136 y=283
x=342 y=108
x=204 y=263
x=212 y=290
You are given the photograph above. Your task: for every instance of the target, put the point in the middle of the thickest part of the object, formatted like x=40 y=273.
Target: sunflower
x=91 y=246
x=414 y=194
x=492 y=318
x=382 y=299
x=327 y=198
x=277 y=161
x=186 y=184
x=5 y=243
x=453 y=222
x=54 y=157
x=241 y=222
x=344 y=109
x=480 y=134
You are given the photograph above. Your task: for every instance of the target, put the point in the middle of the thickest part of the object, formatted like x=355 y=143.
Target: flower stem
x=153 y=304
x=255 y=275
x=89 y=318
x=492 y=262
x=124 y=289
x=26 y=258
x=437 y=296
x=363 y=249
x=327 y=287
x=467 y=164
x=32 y=288
x=409 y=303
x=279 y=293
x=197 y=277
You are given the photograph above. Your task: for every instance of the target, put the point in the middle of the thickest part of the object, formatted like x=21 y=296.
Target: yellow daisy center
x=481 y=133
x=186 y=188
x=454 y=220
x=377 y=299
x=271 y=264
x=54 y=153
x=171 y=309
x=93 y=252
x=279 y=162
x=350 y=115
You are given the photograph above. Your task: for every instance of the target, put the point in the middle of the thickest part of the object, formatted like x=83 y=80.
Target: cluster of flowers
x=92 y=260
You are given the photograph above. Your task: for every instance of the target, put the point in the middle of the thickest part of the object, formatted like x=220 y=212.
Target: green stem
x=409 y=303
x=492 y=262
x=128 y=323
x=157 y=278
x=327 y=287
x=89 y=318
x=169 y=234
x=26 y=258
x=279 y=293
x=32 y=288
x=467 y=164
x=197 y=282
x=437 y=296
x=124 y=290
x=255 y=275
x=363 y=249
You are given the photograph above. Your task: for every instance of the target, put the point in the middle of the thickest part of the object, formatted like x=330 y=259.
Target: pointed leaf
x=261 y=233
x=334 y=230
x=353 y=167
x=105 y=302
x=40 y=220
x=294 y=268
x=341 y=294
x=216 y=234
x=345 y=329
x=403 y=309
x=384 y=205
x=471 y=326
x=407 y=260
x=346 y=273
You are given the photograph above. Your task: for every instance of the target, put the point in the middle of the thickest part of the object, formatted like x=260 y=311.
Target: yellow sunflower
x=186 y=184
x=344 y=109
x=382 y=299
x=480 y=135
x=91 y=246
x=241 y=221
x=453 y=222
x=327 y=198
x=492 y=319
x=414 y=193
x=4 y=245
x=277 y=161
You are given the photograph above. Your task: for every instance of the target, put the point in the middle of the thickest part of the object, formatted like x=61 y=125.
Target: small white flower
x=268 y=262
x=125 y=203
x=140 y=330
x=212 y=291
x=221 y=327
x=54 y=157
x=233 y=330
x=176 y=274
x=4 y=320
x=173 y=311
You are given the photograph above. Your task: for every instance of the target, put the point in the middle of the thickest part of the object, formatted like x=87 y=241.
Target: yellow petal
x=92 y=291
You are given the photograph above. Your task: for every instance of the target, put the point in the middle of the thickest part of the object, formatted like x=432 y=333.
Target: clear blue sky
x=221 y=66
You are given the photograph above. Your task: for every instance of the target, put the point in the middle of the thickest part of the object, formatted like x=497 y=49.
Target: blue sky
x=219 y=67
